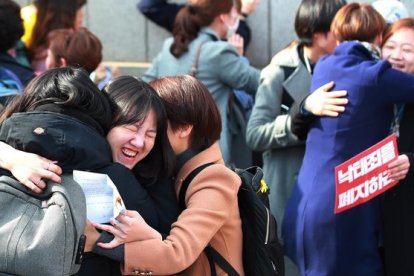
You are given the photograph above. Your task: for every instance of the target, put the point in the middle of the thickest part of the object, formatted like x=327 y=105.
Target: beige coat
x=212 y=217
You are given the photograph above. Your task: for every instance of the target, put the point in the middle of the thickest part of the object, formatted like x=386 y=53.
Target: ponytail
x=193 y=17
x=188 y=23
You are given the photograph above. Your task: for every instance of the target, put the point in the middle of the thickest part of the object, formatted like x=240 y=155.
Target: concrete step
x=136 y=69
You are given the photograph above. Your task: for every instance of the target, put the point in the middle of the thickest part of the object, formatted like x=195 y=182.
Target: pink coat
x=212 y=217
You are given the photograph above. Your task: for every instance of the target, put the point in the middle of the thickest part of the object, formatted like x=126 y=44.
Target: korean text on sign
x=364 y=176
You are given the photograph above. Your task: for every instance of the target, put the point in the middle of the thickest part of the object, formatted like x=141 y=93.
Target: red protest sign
x=364 y=176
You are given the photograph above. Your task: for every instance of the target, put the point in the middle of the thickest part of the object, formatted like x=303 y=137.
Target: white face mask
x=231 y=30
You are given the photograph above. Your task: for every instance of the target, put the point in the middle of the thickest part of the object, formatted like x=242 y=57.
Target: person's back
x=219 y=66
x=283 y=84
x=357 y=75
x=346 y=243
x=163 y=13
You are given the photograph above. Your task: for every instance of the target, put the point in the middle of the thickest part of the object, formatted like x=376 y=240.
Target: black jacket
x=78 y=144
x=399 y=208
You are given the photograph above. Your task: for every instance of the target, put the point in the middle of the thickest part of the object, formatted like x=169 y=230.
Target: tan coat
x=212 y=217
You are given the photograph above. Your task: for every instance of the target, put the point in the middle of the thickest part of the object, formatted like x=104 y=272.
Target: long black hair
x=67 y=88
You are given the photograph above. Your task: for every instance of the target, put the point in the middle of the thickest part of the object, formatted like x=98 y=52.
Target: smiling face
x=399 y=50
x=132 y=143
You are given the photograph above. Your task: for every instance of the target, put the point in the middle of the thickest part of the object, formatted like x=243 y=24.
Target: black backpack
x=262 y=251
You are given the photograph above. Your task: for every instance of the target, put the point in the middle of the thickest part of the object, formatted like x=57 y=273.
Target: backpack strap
x=186 y=183
x=220 y=261
x=209 y=255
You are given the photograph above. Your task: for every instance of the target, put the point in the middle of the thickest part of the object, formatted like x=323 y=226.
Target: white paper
x=103 y=200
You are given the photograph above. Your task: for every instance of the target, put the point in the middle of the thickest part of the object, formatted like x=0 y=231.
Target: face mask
x=231 y=30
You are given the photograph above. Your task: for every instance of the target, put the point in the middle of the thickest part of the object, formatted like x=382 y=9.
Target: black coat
x=399 y=208
x=78 y=144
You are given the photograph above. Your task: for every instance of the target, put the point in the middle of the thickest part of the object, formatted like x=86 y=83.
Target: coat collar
x=299 y=81
x=207 y=31
x=353 y=48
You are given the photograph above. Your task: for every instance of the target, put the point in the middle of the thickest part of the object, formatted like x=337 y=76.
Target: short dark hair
x=11 y=24
x=315 y=16
x=357 y=21
x=134 y=99
x=68 y=88
x=189 y=102
x=80 y=48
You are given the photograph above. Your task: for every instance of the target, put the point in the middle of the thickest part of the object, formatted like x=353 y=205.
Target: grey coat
x=219 y=68
x=268 y=129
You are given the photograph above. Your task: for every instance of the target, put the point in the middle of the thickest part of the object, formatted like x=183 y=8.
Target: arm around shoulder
x=269 y=126
x=30 y=169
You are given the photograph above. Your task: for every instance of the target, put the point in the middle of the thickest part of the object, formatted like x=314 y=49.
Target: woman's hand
x=325 y=103
x=249 y=6
x=127 y=227
x=237 y=41
x=398 y=169
x=30 y=169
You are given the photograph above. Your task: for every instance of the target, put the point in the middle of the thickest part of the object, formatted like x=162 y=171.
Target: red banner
x=365 y=176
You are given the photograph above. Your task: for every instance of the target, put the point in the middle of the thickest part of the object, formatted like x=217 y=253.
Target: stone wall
x=132 y=41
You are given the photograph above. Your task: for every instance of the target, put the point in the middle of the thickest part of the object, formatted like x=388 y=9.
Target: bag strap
x=209 y=255
x=212 y=255
x=186 y=183
x=220 y=261
x=194 y=66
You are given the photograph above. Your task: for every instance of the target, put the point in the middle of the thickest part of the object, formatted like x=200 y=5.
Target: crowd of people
x=344 y=84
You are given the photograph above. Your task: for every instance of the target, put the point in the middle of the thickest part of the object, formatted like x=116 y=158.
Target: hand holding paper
x=398 y=169
x=103 y=200
x=129 y=226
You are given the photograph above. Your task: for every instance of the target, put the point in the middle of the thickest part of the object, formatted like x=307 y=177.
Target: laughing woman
x=76 y=116
x=212 y=213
